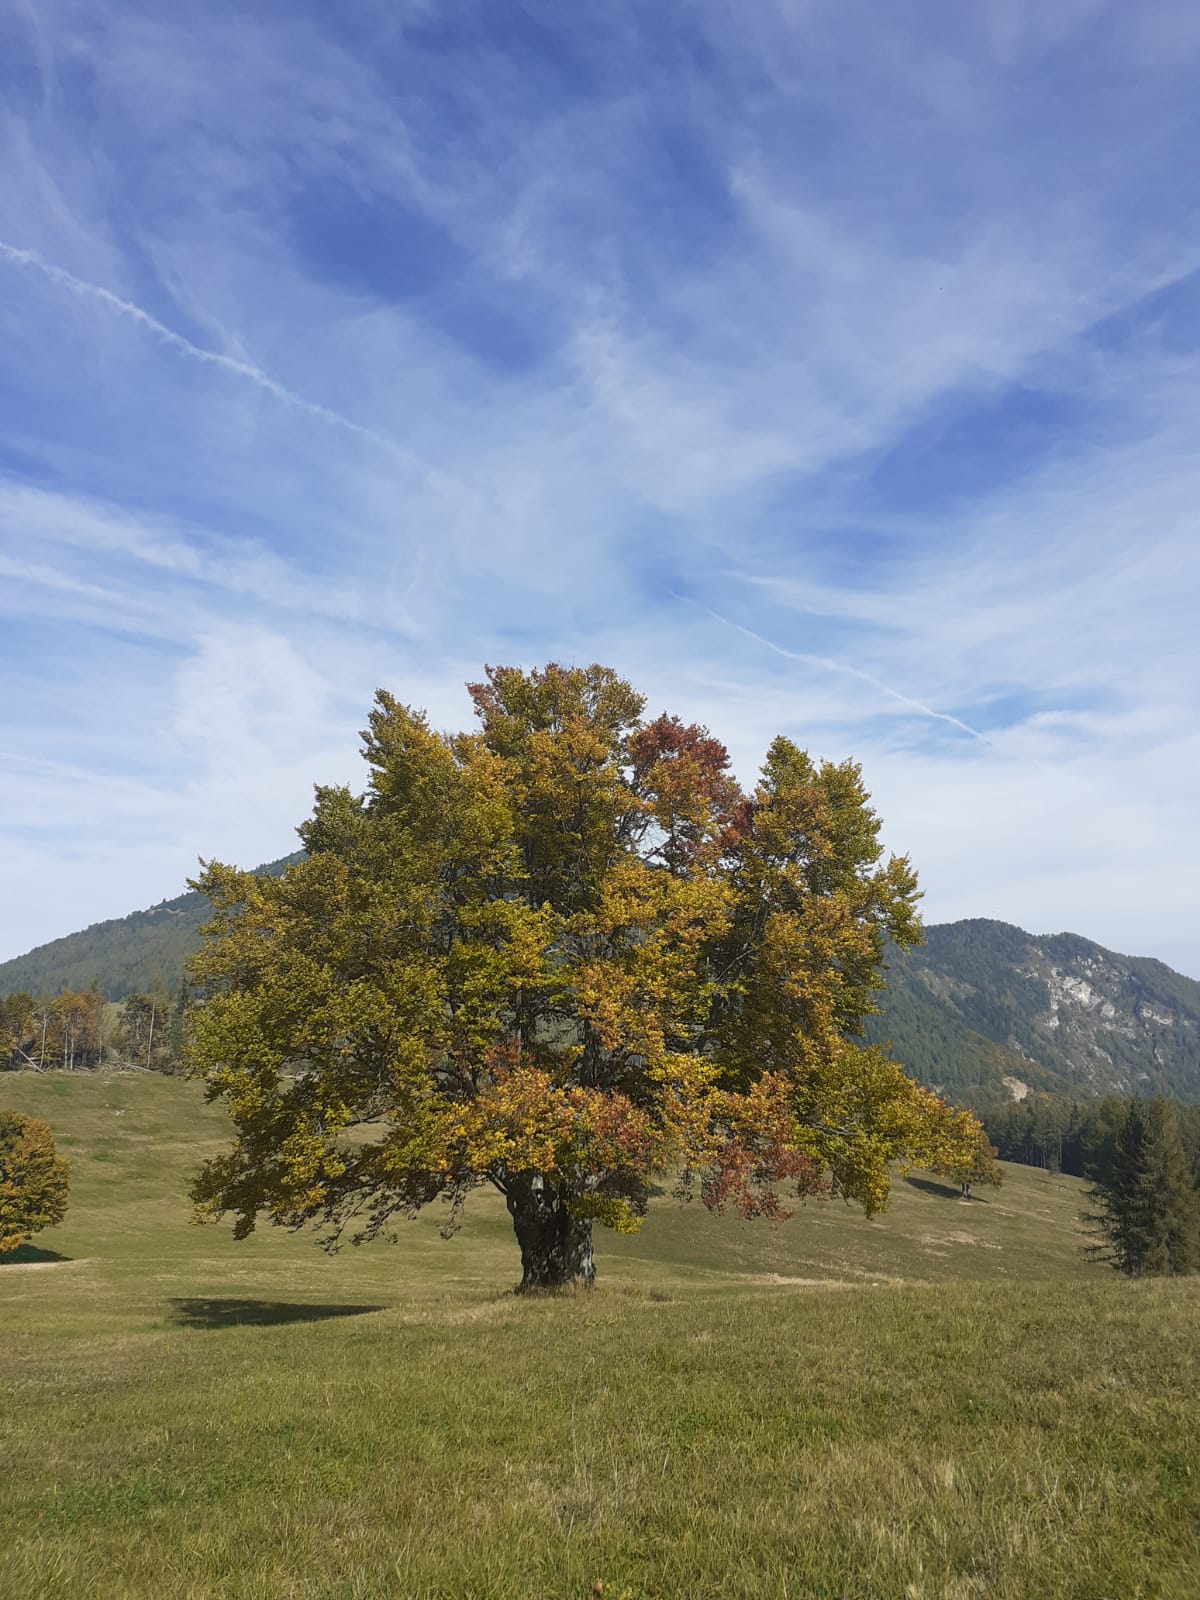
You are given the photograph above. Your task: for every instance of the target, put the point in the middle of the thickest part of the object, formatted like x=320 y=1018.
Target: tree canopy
x=33 y=1180
x=561 y=954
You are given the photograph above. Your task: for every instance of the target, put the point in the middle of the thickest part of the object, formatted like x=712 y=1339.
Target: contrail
x=830 y=665
x=176 y=341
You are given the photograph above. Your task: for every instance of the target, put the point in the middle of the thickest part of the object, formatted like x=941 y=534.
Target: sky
x=827 y=367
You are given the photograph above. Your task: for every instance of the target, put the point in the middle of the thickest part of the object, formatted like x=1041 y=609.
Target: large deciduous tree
x=560 y=954
x=33 y=1180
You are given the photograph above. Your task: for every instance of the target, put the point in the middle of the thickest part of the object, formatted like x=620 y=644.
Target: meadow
x=947 y=1402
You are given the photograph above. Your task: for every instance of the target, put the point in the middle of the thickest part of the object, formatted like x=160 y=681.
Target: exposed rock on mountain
x=1065 y=1012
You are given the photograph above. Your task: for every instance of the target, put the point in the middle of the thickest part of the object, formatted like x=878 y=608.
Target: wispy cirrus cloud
x=829 y=369
x=236 y=366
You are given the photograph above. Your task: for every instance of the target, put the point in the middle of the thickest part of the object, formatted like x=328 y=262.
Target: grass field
x=947 y=1402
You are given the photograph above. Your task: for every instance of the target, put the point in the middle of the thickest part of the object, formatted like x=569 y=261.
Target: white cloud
x=744 y=265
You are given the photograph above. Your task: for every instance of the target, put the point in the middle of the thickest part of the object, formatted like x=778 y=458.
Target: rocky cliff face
x=1069 y=1009
x=1111 y=1021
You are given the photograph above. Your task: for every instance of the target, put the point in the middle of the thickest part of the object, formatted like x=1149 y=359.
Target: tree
x=972 y=1163
x=177 y=1030
x=140 y=1015
x=33 y=1180
x=76 y=1029
x=1170 y=1195
x=150 y=1030
x=1149 y=1210
x=18 y=1013
x=560 y=955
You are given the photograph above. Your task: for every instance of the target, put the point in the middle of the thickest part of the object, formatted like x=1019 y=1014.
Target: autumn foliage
x=561 y=954
x=33 y=1180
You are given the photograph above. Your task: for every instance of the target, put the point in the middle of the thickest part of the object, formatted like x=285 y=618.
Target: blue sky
x=829 y=368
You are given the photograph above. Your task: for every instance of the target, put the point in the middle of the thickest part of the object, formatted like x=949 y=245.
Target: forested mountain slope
x=939 y=1048
x=123 y=956
x=1050 y=1007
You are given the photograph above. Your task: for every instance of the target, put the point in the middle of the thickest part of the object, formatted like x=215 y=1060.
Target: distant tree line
x=66 y=1031
x=1071 y=1136
x=1142 y=1158
x=78 y=1031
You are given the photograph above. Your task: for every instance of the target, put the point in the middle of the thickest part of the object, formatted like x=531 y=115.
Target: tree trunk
x=556 y=1248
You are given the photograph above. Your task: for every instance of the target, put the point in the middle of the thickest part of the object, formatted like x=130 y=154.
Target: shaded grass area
x=27 y=1255
x=258 y=1313
x=935 y=1186
x=184 y=1416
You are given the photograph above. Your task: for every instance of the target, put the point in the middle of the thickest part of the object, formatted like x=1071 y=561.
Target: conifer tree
x=1116 y=1193
x=1149 y=1209
x=1170 y=1196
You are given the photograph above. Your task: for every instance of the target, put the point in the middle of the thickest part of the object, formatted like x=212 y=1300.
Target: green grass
x=948 y=1402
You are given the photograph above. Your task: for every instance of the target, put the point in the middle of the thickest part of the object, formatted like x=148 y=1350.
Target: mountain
x=981 y=1002
x=981 y=1010
x=125 y=955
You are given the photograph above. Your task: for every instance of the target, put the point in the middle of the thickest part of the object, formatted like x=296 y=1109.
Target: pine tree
x=1149 y=1209
x=1170 y=1197
x=178 y=1028
x=1115 y=1191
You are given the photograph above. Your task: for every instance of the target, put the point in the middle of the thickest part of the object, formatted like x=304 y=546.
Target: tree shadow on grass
x=29 y=1255
x=944 y=1191
x=258 y=1313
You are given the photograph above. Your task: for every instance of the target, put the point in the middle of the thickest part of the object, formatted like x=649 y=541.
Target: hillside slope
x=1057 y=1010
x=135 y=1139
x=122 y=956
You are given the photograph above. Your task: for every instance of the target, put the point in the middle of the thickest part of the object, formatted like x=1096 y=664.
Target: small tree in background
x=33 y=1180
x=76 y=1032
x=140 y=1016
x=151 y=1029
x=973 y=1165
x=1148 y=1207
x=18 y=1030
x=560 y=955
x=177 y=1032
